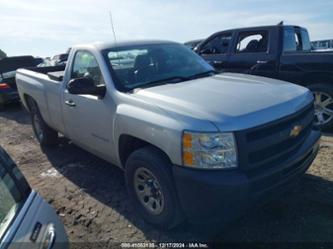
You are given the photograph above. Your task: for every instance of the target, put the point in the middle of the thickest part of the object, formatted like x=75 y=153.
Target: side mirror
x=85 y=85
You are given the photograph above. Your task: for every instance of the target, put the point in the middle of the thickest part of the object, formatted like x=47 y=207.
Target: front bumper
x=221 y=195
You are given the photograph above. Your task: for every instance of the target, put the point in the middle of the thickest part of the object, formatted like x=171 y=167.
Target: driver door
x=216 y=50
x=88 y=118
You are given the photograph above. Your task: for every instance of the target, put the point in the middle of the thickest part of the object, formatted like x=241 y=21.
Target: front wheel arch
x=127 y=144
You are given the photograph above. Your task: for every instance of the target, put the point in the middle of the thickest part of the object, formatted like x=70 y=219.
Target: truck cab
x=282 y=52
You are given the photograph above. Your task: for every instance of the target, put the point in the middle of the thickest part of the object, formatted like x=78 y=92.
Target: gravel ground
x=90 y=197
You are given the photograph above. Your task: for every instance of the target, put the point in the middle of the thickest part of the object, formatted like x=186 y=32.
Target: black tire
x=326 y=89
x=158 y=164
x=45 y=135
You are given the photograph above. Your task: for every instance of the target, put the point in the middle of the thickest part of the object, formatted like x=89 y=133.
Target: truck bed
x=55 y=73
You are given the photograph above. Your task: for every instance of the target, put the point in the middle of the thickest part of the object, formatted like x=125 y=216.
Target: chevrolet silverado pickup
x=281 y=52
x=193 y=143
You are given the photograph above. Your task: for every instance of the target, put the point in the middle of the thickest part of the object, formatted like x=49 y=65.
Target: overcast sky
x=44 y=28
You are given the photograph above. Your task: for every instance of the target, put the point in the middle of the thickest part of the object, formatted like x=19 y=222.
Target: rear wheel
x=323 y=94
x=151 y=188
x=45 y=135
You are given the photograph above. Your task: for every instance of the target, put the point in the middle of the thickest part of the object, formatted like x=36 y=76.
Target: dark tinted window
x=289 y=40
x=305 y=40
x=217 y=45
x=295 y=40
x=85 y=65
x=252 y=42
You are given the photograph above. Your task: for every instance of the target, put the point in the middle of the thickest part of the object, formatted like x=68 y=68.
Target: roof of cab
x=109 y=45
x=257 y=27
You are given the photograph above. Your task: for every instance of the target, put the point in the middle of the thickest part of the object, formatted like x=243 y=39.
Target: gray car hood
x=231 y=101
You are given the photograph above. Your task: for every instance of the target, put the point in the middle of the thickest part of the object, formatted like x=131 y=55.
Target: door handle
x=217 y=63
x=70 y=103
x=262 y=62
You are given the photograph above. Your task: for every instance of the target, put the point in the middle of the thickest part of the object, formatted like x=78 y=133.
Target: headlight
x=209 y=150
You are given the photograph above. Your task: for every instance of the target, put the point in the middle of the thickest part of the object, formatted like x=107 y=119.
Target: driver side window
x=218 y=45
x=85 y=65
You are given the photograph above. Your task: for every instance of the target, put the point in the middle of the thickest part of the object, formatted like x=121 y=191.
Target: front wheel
x=323 y=95
x=45 y=135
x=151 y=188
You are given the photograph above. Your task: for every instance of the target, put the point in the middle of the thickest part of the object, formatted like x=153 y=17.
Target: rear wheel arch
x=44 y=134
x=317 y=78
x=30 y=101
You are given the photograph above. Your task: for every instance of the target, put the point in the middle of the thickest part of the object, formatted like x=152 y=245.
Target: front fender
x=151 y=126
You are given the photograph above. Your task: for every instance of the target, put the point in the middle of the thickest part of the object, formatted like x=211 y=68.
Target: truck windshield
x=151 y=64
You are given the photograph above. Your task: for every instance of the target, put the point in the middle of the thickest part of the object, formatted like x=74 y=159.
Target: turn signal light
x=4 y=86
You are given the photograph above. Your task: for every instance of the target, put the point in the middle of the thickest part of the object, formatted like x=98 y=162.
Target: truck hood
x=231 y=101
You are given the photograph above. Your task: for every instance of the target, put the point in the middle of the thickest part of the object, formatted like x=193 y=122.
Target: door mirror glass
x=85 y=85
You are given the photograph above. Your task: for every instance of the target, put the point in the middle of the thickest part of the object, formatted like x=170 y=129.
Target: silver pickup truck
x=193 y=143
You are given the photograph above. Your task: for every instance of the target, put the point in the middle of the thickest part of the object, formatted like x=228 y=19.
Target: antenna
x=112 y=26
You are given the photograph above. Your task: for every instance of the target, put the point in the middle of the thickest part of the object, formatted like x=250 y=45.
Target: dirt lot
x=91 y=199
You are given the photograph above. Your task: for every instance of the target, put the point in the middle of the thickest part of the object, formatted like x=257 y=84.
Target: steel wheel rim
x=37 y=127
x=323 y=108
x=148 y=191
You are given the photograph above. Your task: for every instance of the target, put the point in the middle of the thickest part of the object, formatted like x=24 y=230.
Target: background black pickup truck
x=281 y=52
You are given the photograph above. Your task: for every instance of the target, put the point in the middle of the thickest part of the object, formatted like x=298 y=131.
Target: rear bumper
x=8 y=96
x=217 y=195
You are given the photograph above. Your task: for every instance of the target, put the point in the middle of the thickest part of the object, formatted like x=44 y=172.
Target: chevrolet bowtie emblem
x=296 y=130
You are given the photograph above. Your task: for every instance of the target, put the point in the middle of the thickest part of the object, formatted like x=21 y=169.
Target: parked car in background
x=193 y=44
x=8 y=66
x=280 y=52
x=26 y=220
x=193 y=144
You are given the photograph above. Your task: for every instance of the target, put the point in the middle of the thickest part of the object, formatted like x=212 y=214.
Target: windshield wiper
x=204 y=74
x=174 y=79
